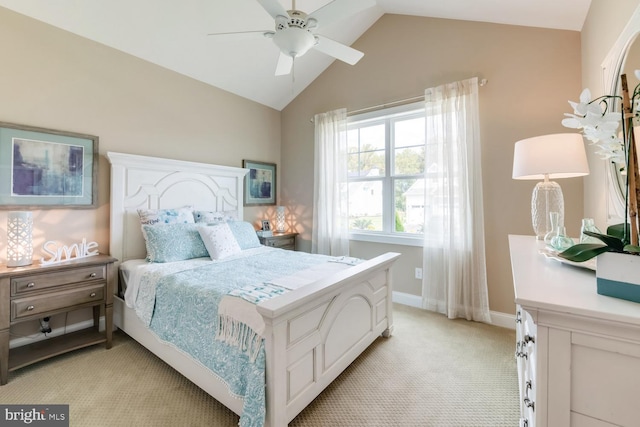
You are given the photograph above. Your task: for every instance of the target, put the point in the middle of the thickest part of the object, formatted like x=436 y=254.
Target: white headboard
x=156 y=183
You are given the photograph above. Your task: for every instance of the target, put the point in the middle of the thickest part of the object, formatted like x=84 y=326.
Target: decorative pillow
x=219 y=240
x=182 y=215
x=245 y=234
x=211 y=217
x=173 y=242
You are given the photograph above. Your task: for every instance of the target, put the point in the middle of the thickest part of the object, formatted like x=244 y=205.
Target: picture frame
x=45 y=168
x=260 y=183
x=266 y=226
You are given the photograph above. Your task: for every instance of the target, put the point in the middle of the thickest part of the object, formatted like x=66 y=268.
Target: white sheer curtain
x=455 y=279
x=330 y=235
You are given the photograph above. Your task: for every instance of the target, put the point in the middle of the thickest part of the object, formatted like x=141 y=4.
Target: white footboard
x=315 y=332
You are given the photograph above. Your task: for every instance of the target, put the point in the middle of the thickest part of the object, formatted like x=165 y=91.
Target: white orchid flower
x=598 y=125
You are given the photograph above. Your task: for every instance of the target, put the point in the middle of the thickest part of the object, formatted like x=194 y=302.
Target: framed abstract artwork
x=45 y=168
x=259 y=183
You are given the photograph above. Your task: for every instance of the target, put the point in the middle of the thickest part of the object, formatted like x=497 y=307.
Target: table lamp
x=546 y=157
x=19 y=240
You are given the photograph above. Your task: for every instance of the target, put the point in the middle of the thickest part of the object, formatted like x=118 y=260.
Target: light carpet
x=431 y=372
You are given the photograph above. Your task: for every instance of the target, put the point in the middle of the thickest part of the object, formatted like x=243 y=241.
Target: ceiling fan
x=295 y=33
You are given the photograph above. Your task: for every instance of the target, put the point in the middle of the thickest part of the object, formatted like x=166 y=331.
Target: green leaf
x=621 y=231
x=632 y=249
x=613 y=242
x=584 y=251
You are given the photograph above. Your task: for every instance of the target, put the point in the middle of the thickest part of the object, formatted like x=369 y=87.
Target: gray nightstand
x=36 y=291
x=280 y=240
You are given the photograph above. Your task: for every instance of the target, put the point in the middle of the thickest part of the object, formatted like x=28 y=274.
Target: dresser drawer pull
x=92 y=275
x=31 y=285
x=528 y=402
x=92 y=294
x=521 y=350
x=30 y=308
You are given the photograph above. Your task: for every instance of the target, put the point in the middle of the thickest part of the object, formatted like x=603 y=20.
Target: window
x=386 y=152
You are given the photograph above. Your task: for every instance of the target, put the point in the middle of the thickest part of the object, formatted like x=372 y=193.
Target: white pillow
x=219 y=240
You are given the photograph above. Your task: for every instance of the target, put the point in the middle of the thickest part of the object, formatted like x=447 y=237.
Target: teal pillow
x=173 y=242
x=245 y=234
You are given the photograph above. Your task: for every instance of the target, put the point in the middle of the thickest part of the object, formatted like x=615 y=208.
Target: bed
x=311 y=333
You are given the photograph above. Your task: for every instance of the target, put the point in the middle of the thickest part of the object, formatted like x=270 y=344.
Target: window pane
x=366 y=149
x=409 y=205
x=409 y=132
x=365 y=205
x=372 y=137
x=409 y=161
x=409 y=146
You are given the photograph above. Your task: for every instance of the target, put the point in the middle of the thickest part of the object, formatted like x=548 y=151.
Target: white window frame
x=387 y=236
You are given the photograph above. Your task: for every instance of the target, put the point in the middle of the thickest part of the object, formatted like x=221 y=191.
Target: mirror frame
x=611 y=68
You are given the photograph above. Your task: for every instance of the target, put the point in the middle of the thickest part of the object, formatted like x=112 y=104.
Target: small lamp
x=280 y=219
x=547 y=157
x=19 y=241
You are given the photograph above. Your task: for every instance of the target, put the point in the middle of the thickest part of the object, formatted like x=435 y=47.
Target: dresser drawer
x=37 y=282
x=38 y=305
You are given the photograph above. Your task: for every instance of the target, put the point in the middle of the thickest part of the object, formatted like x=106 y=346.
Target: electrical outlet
x=418 y=273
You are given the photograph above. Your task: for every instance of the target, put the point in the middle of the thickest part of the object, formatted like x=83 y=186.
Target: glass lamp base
x=546 y=198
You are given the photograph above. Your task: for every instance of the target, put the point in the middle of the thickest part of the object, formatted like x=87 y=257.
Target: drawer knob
x=92 y=275
x=93 y=294
x=30 y=308
x=31 y=285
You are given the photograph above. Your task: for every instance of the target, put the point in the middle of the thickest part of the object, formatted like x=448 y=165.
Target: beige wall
x=53 y=79
x=604 y=23
x=531 y=72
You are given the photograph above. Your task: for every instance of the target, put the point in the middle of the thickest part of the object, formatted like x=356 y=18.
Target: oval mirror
x=629 y=62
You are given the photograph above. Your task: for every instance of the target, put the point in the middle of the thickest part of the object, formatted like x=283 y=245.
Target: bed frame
x=312 y=333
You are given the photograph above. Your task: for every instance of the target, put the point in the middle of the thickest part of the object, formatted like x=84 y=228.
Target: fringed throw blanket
x=239 y=324
x=189 y=308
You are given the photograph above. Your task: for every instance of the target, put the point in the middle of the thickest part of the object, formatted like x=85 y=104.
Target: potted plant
x=600 y=124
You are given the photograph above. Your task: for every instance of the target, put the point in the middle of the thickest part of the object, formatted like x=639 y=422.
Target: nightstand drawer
x=38 y=282
x=281 y=243
x=37 y=305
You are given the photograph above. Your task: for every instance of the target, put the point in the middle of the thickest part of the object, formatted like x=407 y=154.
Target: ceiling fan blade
x=274 y=8
x=338 y=50
x=340 y=9
x=285 y=64
x=242 y=35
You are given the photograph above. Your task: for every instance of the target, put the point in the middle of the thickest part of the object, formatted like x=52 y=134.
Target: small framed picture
x=259 y=183
x=265 y=225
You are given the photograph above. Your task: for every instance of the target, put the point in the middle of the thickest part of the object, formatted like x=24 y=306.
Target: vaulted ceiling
x=174 y=34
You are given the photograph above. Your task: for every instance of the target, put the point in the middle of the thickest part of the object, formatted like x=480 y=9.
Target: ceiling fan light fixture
x=294 y=41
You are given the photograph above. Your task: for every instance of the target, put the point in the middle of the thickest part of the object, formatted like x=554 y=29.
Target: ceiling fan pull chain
x=293 y=72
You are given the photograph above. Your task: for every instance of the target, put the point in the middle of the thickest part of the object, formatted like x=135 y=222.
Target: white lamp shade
x=280 y=219
x=560 y=155
x=19 y=240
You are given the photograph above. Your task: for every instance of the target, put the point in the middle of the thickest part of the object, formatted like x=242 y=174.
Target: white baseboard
x=30 y=339
x=503 y=320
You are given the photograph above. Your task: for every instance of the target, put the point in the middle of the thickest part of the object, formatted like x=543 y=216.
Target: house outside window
x=386 y=152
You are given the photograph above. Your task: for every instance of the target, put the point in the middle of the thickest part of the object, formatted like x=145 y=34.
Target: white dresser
x=578 y=353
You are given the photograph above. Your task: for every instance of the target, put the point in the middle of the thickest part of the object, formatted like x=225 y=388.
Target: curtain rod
x=395 y=103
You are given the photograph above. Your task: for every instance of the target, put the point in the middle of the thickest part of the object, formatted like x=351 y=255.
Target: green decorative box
x=618 y=275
